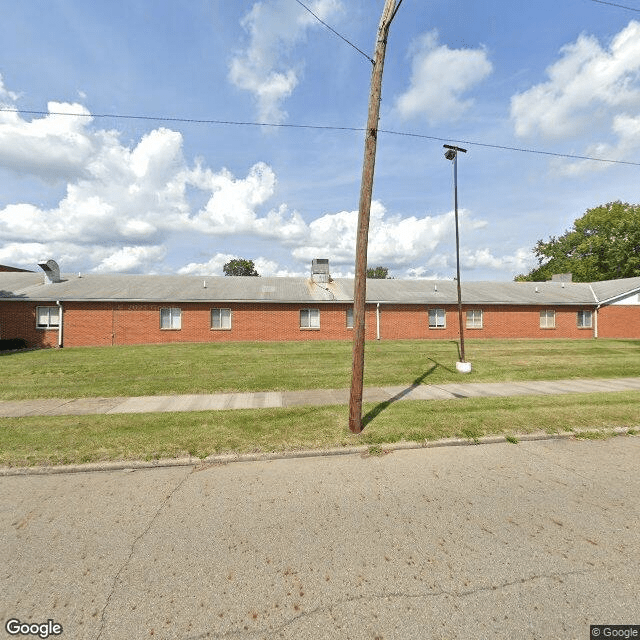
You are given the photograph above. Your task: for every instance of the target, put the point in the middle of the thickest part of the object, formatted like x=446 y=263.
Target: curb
x=226 y=458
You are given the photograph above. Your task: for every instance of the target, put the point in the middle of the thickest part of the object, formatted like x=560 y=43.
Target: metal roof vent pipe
x=51 y=271
x=320 y=270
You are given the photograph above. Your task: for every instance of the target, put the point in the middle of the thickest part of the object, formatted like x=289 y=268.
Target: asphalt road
x=534 y=540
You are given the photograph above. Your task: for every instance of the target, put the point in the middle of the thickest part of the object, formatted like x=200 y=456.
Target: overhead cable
x=507 y=148
x=316 y=127
x=321 y=21
x=612 y=4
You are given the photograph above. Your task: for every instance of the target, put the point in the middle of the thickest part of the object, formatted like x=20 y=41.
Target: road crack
x=135 y=542
x=328 y=608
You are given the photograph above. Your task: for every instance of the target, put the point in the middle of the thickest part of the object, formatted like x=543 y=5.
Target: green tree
x=379 y=273
x=240 y=267
x=604 y=244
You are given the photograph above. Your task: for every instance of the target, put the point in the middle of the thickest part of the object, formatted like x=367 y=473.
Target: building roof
x=173 y=289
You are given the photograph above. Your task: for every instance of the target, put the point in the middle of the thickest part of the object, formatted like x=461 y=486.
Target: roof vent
x=51 y=271
x=537 y=290
x=320 y=270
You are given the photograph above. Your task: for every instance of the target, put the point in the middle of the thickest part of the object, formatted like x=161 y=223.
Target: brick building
x=48 y=309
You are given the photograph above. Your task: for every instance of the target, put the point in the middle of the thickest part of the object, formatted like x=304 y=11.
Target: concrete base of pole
x=463 y=367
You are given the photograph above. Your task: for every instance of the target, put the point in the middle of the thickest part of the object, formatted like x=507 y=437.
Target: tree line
x=603 y=244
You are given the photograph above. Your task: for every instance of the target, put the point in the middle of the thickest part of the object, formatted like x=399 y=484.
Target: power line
x=117 y=116
x=314 y=127
x=506 y=148
x=304 y=6
x=612 y=4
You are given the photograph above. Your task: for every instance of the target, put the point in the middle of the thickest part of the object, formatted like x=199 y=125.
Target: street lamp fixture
x=451 y=154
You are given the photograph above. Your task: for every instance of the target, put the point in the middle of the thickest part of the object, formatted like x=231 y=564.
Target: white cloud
x=132 y=259
x=394 y=241
x=440 y=76
x=123 y=203
x=627 y=130
x=266 y=267
x=591 y=90
x=22 y=253
x=521 y=261
x=73 y=256
x=214 y=267
x=443 y=264
x=7 y=98
x=54 y=147
x=264 y=68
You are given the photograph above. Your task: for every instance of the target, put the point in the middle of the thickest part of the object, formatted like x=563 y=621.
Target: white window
x=350 y=318
x=437 y=319
x=221 y=318
x=170 y=318
x=474 y=319
x=309 y=318
x=47 y=317
x=584 y=319
x=548 y=319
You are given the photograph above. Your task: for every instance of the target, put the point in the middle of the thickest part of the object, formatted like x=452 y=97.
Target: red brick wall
x=498 y=321
x=105 y=323
x=18 y=320
x=619 y=321
x=139 y=323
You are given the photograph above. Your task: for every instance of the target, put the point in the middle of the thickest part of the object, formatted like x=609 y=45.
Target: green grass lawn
x=99 y=438
x=211 y=368
x=268 y=366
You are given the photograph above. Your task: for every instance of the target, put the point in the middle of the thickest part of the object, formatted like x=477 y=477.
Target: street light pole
x=451 y=153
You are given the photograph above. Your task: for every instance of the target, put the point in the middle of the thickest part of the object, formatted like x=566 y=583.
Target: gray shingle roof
x=612 y=290
x=161 y=288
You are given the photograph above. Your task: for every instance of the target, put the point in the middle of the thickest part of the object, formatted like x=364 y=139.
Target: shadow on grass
x=458 y=348
x=379 y=408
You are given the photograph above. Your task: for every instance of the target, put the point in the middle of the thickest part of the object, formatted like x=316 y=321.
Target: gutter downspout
x=60 y=316
x=378 y=321
x=595 y=312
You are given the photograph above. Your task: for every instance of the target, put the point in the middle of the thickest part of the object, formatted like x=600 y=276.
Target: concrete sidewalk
x=315 y=397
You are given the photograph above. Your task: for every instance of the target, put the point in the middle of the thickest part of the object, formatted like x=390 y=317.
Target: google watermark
x=15 y=627
x=626 y=631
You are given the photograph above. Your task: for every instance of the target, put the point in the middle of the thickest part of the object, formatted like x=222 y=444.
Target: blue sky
x=114 y=194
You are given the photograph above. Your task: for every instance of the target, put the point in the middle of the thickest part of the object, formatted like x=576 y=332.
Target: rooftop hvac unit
x=320 y=270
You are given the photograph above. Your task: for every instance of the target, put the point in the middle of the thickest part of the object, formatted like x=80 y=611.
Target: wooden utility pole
x=366 y=188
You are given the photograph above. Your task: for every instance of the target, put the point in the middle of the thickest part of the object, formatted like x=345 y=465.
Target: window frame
x=582 y=312
x=228 y=315
x=349 y=320
x=49 y=324
x=546 y=313
x=436 y=310
x=471 y=322
x=172 y=317
x=310 y=312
